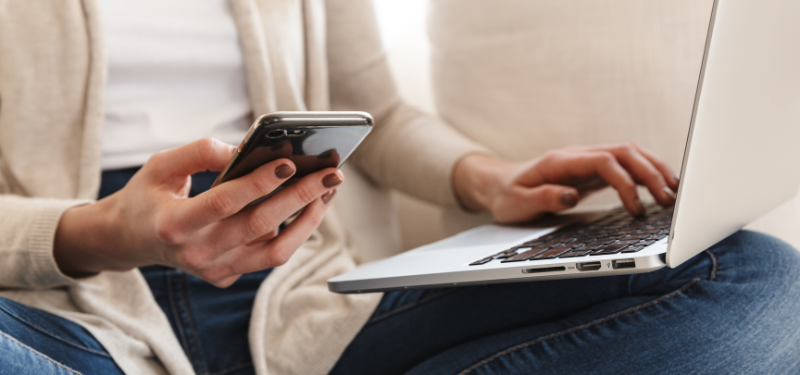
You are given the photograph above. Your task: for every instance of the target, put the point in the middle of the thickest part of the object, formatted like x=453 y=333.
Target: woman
x=63 y=120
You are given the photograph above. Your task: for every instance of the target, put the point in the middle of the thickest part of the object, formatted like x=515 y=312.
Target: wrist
x=478 y=179
x=83 y=239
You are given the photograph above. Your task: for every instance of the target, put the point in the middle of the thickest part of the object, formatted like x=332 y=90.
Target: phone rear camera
x=278 y=133
x=295 y=132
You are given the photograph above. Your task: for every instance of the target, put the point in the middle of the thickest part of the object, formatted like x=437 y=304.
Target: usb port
x=588 y=266
x=623 y=263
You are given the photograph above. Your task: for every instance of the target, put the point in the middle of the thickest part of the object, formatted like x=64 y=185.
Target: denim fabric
x=210 y=323
x=35 y=342
x=734 y=309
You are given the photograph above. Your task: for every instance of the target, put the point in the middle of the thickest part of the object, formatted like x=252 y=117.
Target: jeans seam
x=579 y=328
x=193 y=328
x=34 y=351
x=714 y=265
x=175 y=314
x=409 y=305
x=55 y=336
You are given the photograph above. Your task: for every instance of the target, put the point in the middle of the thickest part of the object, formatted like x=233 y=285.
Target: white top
x=175 y=75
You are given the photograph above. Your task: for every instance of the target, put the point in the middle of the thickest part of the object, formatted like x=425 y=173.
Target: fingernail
x=676 y=177
x=670 y=194
x=284 y=171
x=331 y=180
x=328 y=196
x=569 y=198
x=639 y=207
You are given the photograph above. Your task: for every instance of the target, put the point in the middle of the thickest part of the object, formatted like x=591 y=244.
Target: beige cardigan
x=52 y=80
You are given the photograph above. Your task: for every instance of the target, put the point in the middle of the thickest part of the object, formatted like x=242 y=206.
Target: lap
x=36 y=342
x=212 y=324
x=716 y=310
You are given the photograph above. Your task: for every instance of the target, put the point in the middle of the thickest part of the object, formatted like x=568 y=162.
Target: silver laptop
x=742 y=159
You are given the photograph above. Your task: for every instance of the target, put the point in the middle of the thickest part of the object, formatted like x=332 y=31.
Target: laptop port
x=623 y=263
x=544 y=269
x=588 y=266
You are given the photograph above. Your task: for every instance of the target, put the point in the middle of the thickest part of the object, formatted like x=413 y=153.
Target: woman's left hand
x=556 y=181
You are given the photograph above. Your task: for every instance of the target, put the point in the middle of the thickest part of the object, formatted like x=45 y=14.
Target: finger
x=291 y=238
x=256 y=256
x=669 y=175
x=251 y=224
x=644 y=171
x=589 y=185
x=605 y=165
x=230 y=197
x=198 y=156
x=532 y=202
x=267 y=236
x=226 y=282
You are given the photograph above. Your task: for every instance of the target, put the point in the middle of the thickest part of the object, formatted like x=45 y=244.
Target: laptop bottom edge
x=576 y=268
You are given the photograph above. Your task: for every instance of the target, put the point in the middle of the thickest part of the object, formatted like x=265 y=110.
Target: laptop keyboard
x=616 y=232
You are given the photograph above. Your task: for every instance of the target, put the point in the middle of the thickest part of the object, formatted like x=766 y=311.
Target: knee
x=758 y=256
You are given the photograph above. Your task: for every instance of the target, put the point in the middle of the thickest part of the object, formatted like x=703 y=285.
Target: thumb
x=552 y=198
x=198 y=156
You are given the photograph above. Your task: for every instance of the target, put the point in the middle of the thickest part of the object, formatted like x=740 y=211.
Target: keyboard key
x=521 y=256
x=612 y=248
x=596 y=244
x=504 y=256
x=512 y=250
x=633 y=248
x=482 y=261
x=552 y=253
x=609 y=234
x=575 y=253
x=657 y=236
x=585 y=238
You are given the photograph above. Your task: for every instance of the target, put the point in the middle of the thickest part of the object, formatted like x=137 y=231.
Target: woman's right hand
x=152 y=221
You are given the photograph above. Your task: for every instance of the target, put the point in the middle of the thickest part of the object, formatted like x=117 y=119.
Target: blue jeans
x=733 y=309
x=35 y=342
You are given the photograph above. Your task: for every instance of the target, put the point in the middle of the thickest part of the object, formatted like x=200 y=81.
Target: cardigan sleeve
x=407 y=150
x=27 y=233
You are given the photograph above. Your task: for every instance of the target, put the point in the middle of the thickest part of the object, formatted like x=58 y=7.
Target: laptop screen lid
x=742 y=155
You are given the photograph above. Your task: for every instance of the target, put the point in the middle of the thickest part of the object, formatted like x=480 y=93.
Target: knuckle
x=167 y=232
x=279 y=255
x=205 y=145
x=221 y=205
x=262 y=186
x=605 y=157
x=211 y=274
x=628 y=185
x=305 y=193
x=626 y=149
x=191 y=260
x=222 y=284
x=157 y=158
x=205 y=148
x=258 y=225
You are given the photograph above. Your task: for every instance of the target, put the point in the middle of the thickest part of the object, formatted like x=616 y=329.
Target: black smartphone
x=312 y=140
